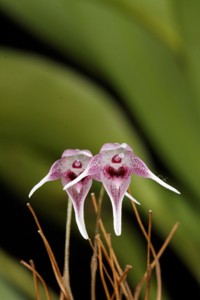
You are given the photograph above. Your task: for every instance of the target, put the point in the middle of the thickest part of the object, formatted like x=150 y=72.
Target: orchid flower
x=113 y=166
x=67 y=168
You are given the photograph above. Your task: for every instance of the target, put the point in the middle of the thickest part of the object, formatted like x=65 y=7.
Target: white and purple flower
x=67 y=168
x=113 y=166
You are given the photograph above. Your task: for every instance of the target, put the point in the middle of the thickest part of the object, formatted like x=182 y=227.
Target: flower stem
x=66 y=275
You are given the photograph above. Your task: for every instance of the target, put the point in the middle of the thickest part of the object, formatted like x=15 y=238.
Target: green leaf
x=148 y=76
x=47 y=110
x=188 y=17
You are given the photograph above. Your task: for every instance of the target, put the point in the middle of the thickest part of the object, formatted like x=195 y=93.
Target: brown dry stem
x=35 y=279
x=148 y=278
x=110 y=256
x=35 y=273
x=94 y=264
x=50 y=253
x=104 y=259
x=157 y=264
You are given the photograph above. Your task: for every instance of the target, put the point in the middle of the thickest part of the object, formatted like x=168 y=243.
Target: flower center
x=120 y=172
x=117 y=159
x=77 y=164
x=71 y=175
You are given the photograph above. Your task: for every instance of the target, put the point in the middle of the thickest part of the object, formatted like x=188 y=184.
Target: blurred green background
x=78 y=74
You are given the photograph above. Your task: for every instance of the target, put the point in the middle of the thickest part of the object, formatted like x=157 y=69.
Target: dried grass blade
x=40 y=231
x=93 y=267
x=123 y=276
x=102 y=273
x=35 y=280
x=148 y=277
x=103 y=250
x=114 y=272
x=159 y=280
x=54 y=265
x=157 y=264
x=125 y=286
x=38 y=276
x=50 y=254
x=155 y=261
x=166 y=242
x=94 y=256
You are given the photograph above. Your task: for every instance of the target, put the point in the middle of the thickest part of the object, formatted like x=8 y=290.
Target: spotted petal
x=116 y=183
x=115 y=146
x=54 y=173
x=62 y=165
x=113 y=166
x=72 y=163
x=93 y=169
x=139 y=168
x=76 y=152
x=77 y=194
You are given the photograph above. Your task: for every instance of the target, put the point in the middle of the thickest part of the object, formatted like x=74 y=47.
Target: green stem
x=66 y=275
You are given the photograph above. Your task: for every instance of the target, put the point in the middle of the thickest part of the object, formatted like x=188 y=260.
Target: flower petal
x=75 y=152
x=161 y=182
x=55 y=173
x=38 y=185
x=139 y=168
x=77 y=194
x=131 y=198
x=76 y=180
x=117 y=217
x=79 y=215
x=116 y=196
x=93 y=169
x=116 y=183
x=115 y=146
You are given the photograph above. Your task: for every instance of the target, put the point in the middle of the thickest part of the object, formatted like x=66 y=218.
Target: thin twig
x=107 y=257
x=115 y=277
x=148 y=278
x=123 y=276
x=94 y=256
x=39 y=276
x=159 y=280
x=50 y=254
x=66 y=276
x=125 y=286
x=103 y=249
x=54 y=264
x=35 y=280
x=93 y=267
x=127 y=269
x=154 y=263
x=166 y=242
x=102 y=273
x=40 y=231
x=157 y=264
